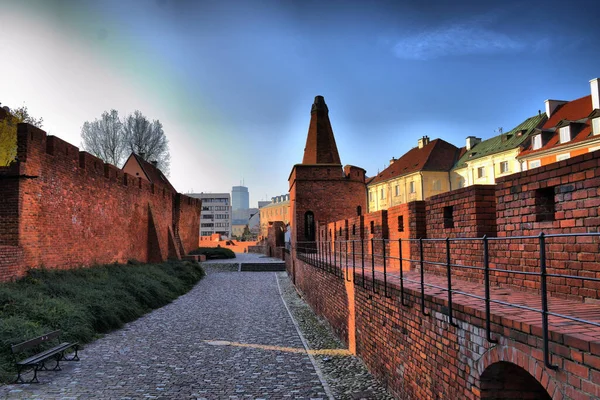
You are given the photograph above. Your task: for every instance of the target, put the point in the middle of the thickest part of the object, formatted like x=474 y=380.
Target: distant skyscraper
x=240 y=198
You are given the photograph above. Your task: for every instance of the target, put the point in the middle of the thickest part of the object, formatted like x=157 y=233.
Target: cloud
x=460 y=40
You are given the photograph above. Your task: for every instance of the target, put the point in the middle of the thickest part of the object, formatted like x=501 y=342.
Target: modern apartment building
x=216 y=213
x=240 y=198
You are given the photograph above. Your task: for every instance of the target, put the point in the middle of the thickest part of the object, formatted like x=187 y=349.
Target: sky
x=233 y=81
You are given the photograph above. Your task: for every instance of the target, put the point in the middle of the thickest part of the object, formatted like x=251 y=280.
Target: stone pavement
x=231 y=337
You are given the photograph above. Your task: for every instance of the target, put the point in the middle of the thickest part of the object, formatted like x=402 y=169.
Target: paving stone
x=230 y=337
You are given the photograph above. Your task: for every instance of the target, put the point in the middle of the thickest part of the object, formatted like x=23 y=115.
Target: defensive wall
x=424 y=343
x=62 y=208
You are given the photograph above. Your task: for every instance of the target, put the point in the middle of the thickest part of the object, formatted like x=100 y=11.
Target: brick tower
x=321 y=190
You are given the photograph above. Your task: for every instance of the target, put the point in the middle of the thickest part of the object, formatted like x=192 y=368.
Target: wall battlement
x=62 y=208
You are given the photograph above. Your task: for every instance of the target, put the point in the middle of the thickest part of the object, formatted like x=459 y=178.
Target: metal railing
x=373 y=256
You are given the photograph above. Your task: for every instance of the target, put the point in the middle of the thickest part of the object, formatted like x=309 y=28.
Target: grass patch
x=86 y=302
x=214 y=253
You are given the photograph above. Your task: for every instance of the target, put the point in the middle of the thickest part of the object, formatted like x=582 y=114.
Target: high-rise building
x=240 y=198
x=216 y=213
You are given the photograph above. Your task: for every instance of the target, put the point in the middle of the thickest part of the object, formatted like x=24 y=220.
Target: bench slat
x=46 y=354
x=35 y=341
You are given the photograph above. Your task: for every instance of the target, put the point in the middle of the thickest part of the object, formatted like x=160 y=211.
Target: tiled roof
x=153 y=174
x=572 y=111
x=437 y=155
x=576 y=110
x=506 y=141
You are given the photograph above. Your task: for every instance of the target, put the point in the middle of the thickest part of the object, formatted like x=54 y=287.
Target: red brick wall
x=424 y=357
x=330 y=192
x=75 y=210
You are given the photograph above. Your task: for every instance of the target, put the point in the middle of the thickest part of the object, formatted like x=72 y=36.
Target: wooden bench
x=37 y=361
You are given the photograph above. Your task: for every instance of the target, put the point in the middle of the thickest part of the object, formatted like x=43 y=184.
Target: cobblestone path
x=230 y=337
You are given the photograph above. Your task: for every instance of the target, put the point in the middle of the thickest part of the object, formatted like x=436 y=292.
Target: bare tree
x=148 y=140
x=105 y=138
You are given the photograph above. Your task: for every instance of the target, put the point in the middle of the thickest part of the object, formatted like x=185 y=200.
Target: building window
x=411 y=187
x=370 y=196
x=565 y=134
x=480 y=172
x=437 y=185
x=359 y=211
x=397 y=190
x=401 y=223
x=382 y=194
x=596 y=126
x=535 y=164
x=353 y=229
x=372 y=227
x=504 y=167
x=449 y=217
x=309 y=226
x=537 y=142
x=545 y=204
x=561 y=157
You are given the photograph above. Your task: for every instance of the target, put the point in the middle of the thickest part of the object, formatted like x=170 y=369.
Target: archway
x=507 y=381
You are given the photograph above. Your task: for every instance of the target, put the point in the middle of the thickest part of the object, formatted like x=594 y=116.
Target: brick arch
x=534 y=367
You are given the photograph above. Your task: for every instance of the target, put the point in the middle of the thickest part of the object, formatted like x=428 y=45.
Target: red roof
x=437 y=155
x=575 y=110
x=153 y=174
x=572 y=111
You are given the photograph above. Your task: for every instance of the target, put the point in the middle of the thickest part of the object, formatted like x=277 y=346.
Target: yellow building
x=493 y=158
x=422 y=172
x=277 y=210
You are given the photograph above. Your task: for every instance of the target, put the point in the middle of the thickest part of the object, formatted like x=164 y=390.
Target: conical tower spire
x=320 y=143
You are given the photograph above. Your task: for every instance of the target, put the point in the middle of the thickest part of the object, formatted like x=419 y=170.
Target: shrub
x=86 y=302
x=214 y=252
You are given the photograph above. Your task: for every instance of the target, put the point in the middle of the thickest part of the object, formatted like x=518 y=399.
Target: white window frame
x=564 y=156
x=504 y=167
x=370 y=195
x=596 y=126
x=397 y=190
x=411 y=187
x=565 y=134
x=534 y=164
x=480 y=172
x=536 y=142
x=382 y=197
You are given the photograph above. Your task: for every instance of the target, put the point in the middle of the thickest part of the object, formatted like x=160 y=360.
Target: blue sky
x=233 y=81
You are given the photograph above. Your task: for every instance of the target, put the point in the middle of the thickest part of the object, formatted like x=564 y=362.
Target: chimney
x=595 y=89
x=472 y=141
x=551 y=106
x=424 y=141
x=393 y=160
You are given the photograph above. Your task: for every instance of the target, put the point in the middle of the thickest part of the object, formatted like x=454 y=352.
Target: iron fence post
x=544 y=302
x=401 y=274
x=334 y=259
x=486 y=273
x=347 y=269
x=422 y=277
x=353 y=264
x=385 y=292
x=373 y=263
x=448 y=271
x=362 y=256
